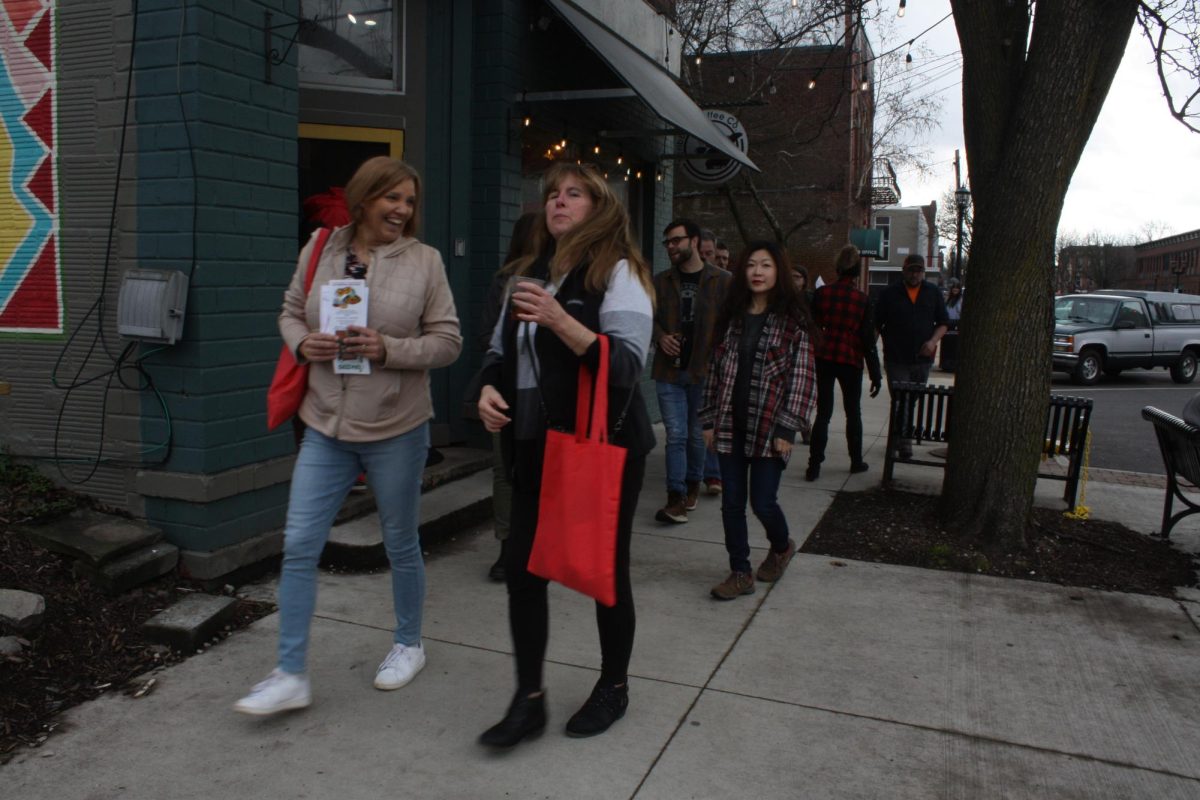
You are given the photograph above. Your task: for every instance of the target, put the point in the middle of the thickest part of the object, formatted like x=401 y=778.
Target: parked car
x=1113 y=330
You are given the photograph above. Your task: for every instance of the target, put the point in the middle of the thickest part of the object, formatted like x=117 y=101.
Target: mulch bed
x=89 y=643
x=894 y=527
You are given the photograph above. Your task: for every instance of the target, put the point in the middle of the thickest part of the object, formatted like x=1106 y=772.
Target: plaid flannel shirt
x=847 y=334
x=783 y=389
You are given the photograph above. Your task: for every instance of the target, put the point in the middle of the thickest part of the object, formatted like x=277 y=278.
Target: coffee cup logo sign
x=706 y=164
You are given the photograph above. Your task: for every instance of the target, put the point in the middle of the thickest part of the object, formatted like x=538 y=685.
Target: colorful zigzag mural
x=30 y=277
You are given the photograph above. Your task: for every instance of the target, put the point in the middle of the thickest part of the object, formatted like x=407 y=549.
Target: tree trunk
x=1027 y=114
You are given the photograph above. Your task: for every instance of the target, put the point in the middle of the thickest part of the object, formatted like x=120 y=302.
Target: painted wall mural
x=30 y=276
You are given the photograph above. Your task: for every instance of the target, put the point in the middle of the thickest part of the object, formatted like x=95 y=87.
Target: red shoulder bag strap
x=322 y=237
x=594 y=394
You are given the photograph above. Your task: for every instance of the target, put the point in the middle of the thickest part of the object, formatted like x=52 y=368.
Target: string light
x=528 y=121
x=697 y=61
x=812 y=83
x=658 y=176
x=795 y=3
x=731 y=77
x=638 y=175
x=908 y=61
x=353 y=19
x=596 y=148
x=370 y=23
x=771 y=87
x=620 y=159
x=864 y=85
x=900 y=12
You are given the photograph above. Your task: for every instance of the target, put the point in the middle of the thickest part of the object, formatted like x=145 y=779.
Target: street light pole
x=962 y=199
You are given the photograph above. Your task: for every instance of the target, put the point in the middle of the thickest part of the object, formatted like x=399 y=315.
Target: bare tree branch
x=1172 y=27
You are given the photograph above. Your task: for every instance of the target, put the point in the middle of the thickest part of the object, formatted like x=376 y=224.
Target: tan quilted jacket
x=410 y=304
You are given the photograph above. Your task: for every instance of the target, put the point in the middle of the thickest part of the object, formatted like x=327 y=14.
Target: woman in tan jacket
x=377 y=422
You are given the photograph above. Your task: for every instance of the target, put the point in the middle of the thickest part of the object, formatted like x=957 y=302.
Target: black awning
x=652 y=83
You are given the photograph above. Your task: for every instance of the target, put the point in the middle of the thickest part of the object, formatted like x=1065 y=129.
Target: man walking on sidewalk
x=911 y=317
x=688 y=297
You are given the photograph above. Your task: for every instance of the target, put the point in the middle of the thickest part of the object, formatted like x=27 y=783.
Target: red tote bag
x=290 y=381
x=576 y=539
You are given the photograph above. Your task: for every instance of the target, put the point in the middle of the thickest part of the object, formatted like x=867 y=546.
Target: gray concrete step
x=90 y=536
x=130 y=570
x=445 y=510
x=190 y=622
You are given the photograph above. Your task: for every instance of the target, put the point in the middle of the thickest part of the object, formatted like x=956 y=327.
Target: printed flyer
x=344 y=303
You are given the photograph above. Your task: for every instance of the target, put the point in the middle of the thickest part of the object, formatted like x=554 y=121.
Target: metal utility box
x=151 y=304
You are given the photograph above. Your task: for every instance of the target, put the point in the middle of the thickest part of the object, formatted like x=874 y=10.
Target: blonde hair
x=373 y=178
x=599 y=241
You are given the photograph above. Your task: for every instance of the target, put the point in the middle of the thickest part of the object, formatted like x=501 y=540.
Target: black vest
x=558 y=379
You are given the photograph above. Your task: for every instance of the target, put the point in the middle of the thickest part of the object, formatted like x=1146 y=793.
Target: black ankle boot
x=812 y=473
x=526 y=717
x=605 y=706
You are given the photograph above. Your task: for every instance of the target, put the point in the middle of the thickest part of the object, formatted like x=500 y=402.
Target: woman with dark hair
x=376 y=422
x=501 y=487
x=800 y=275
x=758 y=395
x=847 y=337
x=582 y=275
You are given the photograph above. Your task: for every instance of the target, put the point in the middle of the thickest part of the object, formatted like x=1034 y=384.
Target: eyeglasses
x=674 y=241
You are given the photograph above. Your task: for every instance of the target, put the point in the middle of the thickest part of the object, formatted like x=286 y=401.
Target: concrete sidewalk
x=845 y=680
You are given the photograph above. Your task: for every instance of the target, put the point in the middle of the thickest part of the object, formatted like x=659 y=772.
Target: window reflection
x=349 y=43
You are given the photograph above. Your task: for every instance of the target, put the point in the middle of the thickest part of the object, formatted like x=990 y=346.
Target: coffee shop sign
x=705 y=164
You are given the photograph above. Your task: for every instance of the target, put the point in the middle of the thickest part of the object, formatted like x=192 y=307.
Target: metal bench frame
x=921 y=412
x=1179 y=443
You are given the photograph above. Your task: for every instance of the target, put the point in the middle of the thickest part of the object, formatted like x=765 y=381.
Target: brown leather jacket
x=409 y=302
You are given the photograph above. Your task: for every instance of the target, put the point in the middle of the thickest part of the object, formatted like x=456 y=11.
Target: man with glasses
x=911 y=317
x=688 y=297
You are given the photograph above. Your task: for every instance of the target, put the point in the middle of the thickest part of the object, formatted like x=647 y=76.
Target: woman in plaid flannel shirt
x=760 y=391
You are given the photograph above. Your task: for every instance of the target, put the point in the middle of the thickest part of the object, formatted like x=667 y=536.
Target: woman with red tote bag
x=581 y=277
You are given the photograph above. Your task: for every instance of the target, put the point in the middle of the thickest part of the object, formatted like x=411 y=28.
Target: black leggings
x=850 y=379
x=528 y=610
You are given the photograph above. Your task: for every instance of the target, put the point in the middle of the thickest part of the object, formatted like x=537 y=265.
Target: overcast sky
x=1140 y=165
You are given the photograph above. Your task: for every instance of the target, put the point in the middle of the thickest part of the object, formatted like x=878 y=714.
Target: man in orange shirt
x=911 y=317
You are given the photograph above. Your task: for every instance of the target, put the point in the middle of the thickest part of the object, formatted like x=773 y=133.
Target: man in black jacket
x=911 y=317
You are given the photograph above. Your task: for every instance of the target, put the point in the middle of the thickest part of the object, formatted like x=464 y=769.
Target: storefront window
x=627 y=179
x=352 y=44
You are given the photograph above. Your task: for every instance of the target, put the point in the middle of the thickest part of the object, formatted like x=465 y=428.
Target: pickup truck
x=1113 y=330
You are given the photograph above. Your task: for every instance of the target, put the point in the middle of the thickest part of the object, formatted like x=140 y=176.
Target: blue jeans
x=712 y=465
x=764 y=475
x=324 y=472
x=680 y=404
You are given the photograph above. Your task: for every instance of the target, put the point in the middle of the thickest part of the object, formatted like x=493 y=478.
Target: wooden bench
x=921 y=412
x=1179 y=442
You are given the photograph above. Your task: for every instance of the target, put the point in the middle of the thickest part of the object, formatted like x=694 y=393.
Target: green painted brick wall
x=211 y=526
x=216 y=199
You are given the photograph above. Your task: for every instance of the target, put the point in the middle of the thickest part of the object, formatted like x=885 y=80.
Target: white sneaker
x=400 y=666
x=281 y=691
